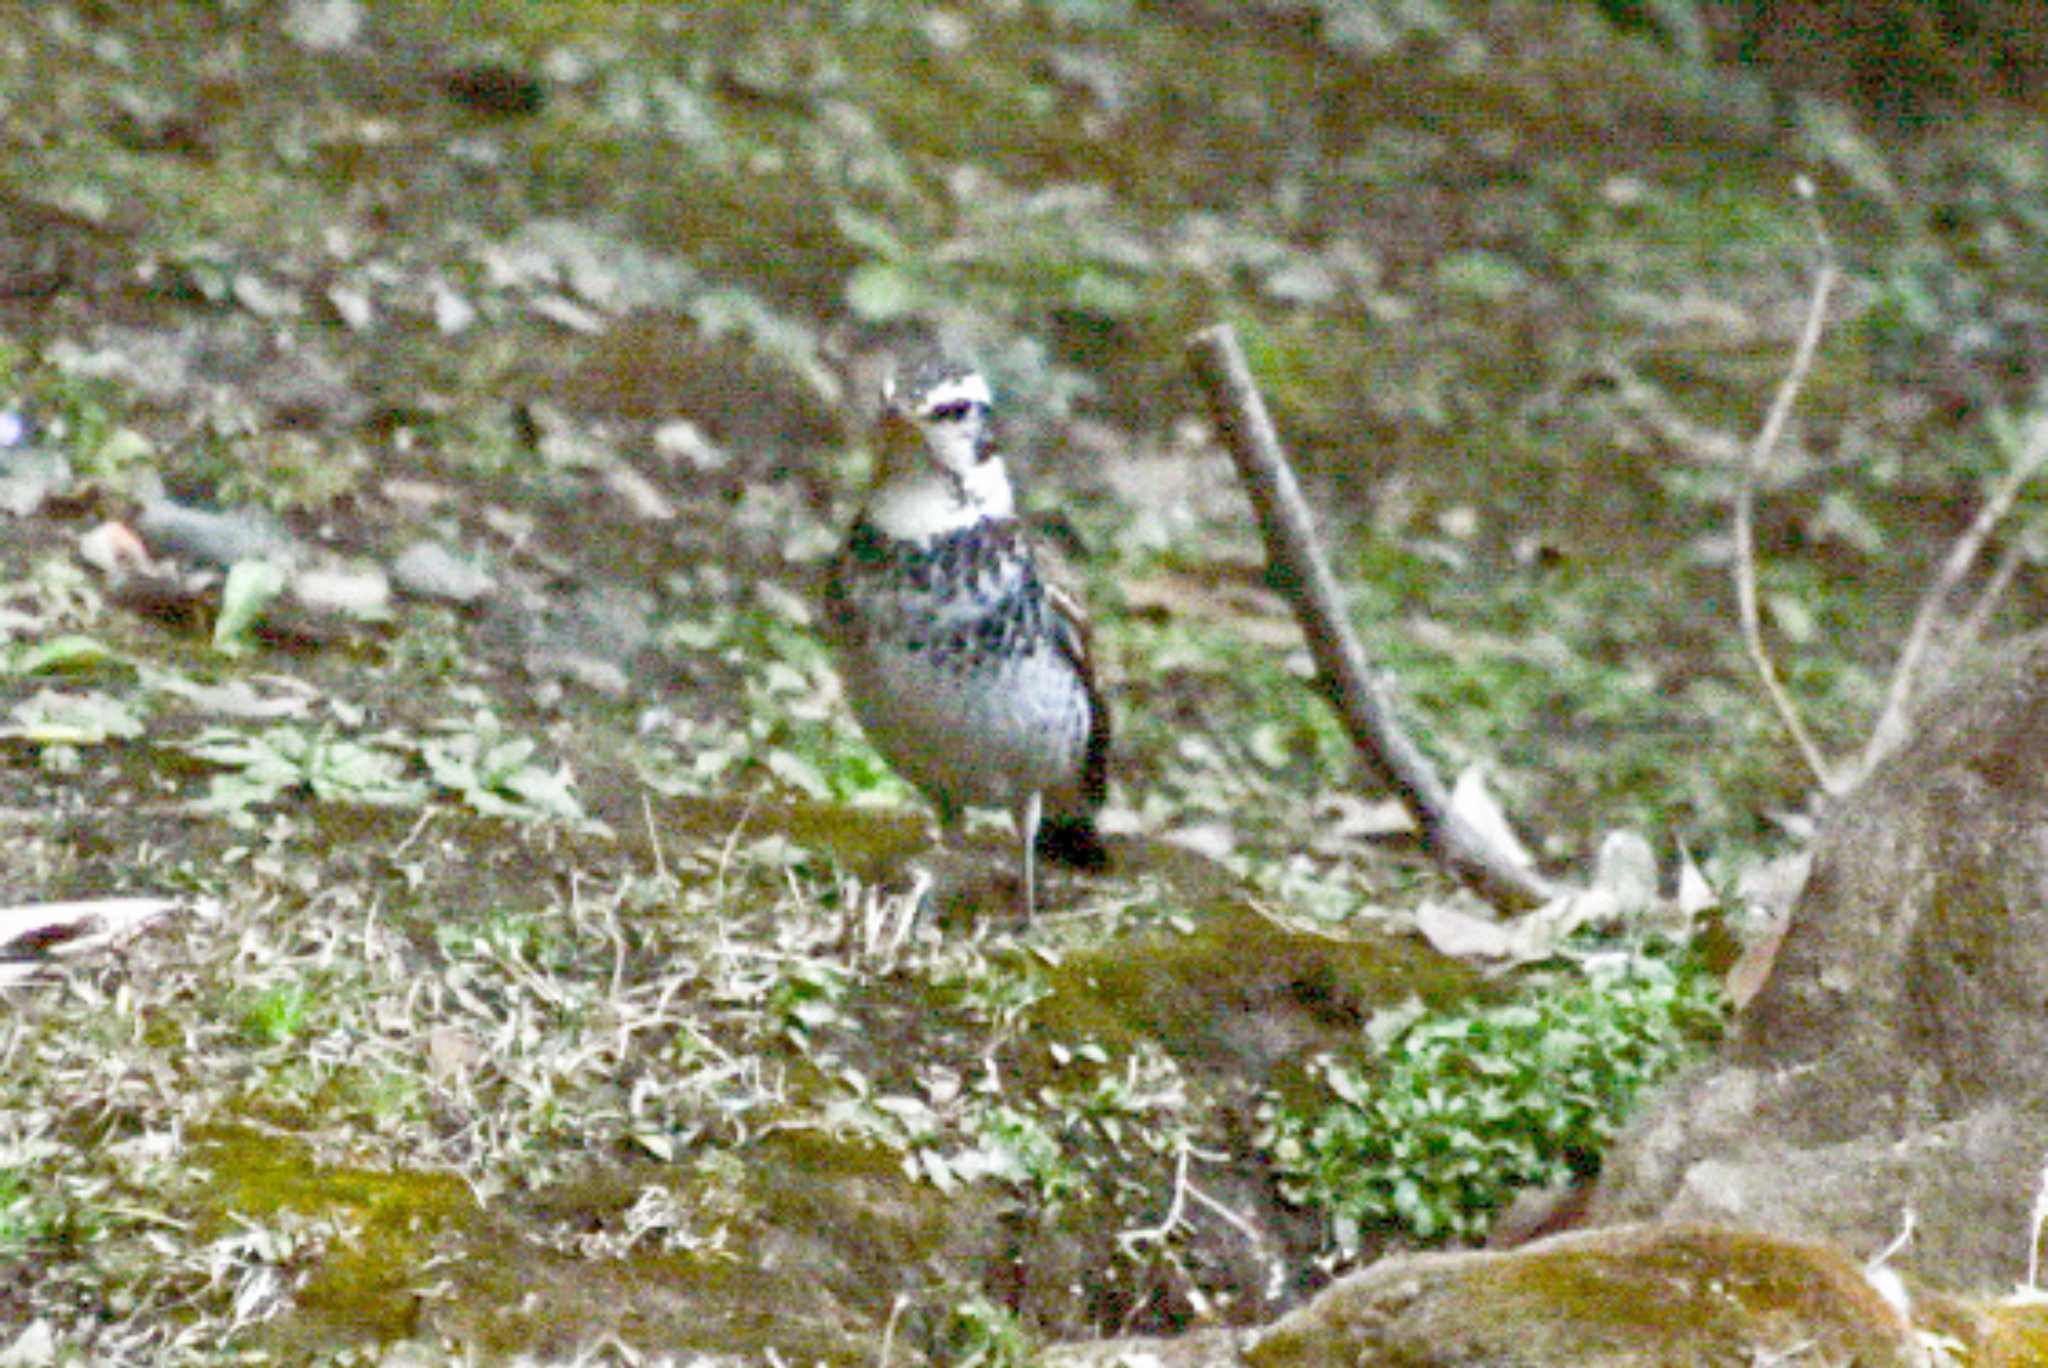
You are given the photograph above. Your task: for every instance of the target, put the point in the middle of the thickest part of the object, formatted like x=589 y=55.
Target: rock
x=323 y=25
x=29 y=475
x=1635 y=1296
x=362 y=592
x=214 y=538
x=429 y=570
x=1897 y=1059
x=1626 y=1297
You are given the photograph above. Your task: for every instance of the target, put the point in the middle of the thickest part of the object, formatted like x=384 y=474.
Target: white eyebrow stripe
x=969 y=388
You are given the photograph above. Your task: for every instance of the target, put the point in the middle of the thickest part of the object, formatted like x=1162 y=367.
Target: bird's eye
x=951 y=412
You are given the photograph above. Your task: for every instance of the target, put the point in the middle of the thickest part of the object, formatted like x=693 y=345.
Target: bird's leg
x=1026 y=817
x=950 y=821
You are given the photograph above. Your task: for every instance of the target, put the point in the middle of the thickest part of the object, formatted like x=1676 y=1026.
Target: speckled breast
x=954 y=667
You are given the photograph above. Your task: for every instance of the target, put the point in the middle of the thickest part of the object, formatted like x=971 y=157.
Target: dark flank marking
x=1071 y=838
x=987 y=565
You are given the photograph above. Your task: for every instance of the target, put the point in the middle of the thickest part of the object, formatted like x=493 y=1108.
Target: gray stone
x=1627 y=1297
x=29 y=476
x=429 y=570
x=214 y=538
x=323 y=25
x=1898 y=1057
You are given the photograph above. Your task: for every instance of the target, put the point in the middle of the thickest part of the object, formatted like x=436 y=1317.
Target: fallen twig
x=1347 y=676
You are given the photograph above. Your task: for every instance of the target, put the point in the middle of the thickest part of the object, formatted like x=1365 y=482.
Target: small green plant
x=984 y=1335
x=275 y=1016
x=496 y=774
x=68 y=653
x=1023 y=1149
x=285 y=759
x=251 y=587
x=1462 y=1109
x=791 y=730
x=17 y=1208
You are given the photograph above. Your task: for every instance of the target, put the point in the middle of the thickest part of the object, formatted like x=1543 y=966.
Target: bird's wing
x=1075 y=637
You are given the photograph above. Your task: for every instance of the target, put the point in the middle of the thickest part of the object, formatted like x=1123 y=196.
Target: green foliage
x=496 y=774
x=284 y=471
x=984 y=1335
x=66 y=653
x=277 y=1015
x=282 y=759
x=471 y=759
x=1461 y=1109
x=251 y=587
x=806 y=996
x=1025 y=1151
x=19 y=1217
x=791 y=728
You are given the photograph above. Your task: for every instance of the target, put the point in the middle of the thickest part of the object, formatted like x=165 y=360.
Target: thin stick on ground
x=1347 y=676
x=1745 y=510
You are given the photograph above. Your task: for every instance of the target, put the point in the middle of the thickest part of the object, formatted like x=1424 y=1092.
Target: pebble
x=223 y=538
x=429 y=570
x=354 y=591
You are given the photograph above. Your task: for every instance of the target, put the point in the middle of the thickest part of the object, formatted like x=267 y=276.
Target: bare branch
x=1390 y=754
x=1745 y=507
x=1962 y=554
x=2010 y=559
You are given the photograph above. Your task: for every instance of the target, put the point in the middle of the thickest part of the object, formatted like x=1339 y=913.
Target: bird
x=963 y=649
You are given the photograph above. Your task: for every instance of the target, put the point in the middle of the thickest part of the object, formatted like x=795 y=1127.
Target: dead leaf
x=33 y=935
x=638 y=493
x=1752 y=968
x=452 y=1054
x=239 y=698
x=115 y=551
x=1626 y=869
x=1473 y=804
x=1695 y=894
x=1467 y=929
x=1211 y=840
x=1462 y=933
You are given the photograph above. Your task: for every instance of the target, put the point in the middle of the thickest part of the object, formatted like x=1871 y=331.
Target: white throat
x=933 y=503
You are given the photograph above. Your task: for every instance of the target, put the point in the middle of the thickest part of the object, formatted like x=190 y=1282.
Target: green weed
x=1459 y=1110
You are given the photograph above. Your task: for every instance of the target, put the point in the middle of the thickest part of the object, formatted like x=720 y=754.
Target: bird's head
x=937 y=442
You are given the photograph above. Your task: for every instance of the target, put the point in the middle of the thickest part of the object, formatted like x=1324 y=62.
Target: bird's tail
x=1071 y=838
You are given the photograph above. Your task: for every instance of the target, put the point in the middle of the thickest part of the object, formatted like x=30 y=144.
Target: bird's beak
x=895 y=420
x=897 y=439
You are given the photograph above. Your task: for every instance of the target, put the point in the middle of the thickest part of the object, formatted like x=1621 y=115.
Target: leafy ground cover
x=554 y=996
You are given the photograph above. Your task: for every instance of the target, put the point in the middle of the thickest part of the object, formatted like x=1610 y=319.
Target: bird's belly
x=973 y=730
